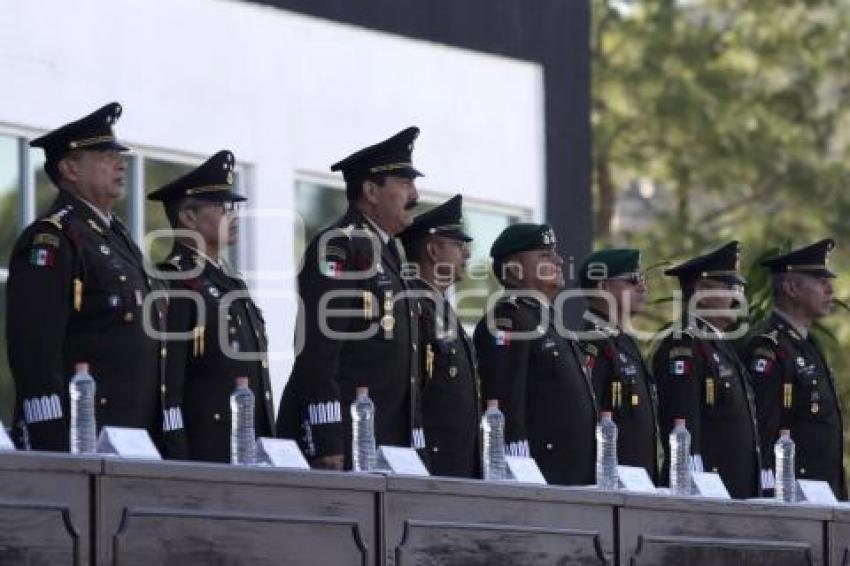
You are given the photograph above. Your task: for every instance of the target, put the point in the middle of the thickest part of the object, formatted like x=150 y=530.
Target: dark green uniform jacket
x=225 y=341
x=795 y=389
x=701 y=379
x=76 y=293
x=538 y=377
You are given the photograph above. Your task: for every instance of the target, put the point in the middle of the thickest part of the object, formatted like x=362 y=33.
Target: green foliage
x=734 y=111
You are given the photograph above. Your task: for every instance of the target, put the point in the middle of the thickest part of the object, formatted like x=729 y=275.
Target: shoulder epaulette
x=56 y=218
x=773 y=336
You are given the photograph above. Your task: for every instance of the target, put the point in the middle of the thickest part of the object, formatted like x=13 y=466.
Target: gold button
x=163 y=388
x=802 y=471
x=714 y=470
x=549 y=447
x=414 y=346
x=163 y=352
x=268 y=395
x=435 y=449
x=265 y=364
x=122 y=277
x=232 y=330
x=103 y=401
x=128 y=316
x=217 y=417
x=555 y=353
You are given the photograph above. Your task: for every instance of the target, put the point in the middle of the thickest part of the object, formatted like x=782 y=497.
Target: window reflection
x=10 y=221
x=10 y=195
x=159 y=172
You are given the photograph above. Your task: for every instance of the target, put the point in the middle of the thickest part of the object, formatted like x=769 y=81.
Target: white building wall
x=286 y=92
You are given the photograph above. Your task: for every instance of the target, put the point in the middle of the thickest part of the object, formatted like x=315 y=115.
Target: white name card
x=401 y=460
x=709 y=484
x=127 y=443
x=5 y=442
x=524 y=469
x=816 y=491
x=280 y=453
x=633 y=478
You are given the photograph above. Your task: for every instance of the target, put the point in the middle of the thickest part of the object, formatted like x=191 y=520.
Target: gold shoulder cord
x=429 y=361
x=78 y=294
x=787 y=395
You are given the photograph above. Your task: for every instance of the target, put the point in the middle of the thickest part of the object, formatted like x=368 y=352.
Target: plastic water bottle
x=680 y=459
x=243 y=440
x=606 y=453
x=364 y=455
x=493 y=461
x=783 y=451
x=83 y=425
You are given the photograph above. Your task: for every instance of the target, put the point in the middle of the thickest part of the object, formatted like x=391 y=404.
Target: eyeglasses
x=635 y=278
x=227 y=206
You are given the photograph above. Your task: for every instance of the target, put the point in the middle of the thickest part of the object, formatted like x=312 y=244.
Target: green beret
x=608 y=263
x=522 y=237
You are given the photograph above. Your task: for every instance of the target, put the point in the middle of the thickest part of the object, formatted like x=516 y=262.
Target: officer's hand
x=333 y=462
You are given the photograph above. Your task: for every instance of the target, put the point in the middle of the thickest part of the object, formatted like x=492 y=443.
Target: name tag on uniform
x=709 y=484
x=5 y=442
x=127 y=443
x=816 y=491
x=280 y=453
x=634 y=478
x=524 y=470
x=401 y=460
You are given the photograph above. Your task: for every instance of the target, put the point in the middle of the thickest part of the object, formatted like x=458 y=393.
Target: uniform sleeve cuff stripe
x=44 y=408
x=324 y=413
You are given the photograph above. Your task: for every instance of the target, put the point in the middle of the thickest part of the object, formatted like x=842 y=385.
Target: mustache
x=411 y=205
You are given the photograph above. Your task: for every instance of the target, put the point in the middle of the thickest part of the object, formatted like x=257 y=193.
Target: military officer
x=221 y=330
x=439 y=247
x=793 y=383
x=621 y=380
x=76 y=293
x=701 y=379
x=359 y=326
x=534 y=370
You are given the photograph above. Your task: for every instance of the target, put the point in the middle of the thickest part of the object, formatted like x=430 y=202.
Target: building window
x=158 y=172
x=320 y=204
x=26 y=193
x=10 y=222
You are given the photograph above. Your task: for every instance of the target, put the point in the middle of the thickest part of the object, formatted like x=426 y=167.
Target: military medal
x=453 y=371
x=635 y=399
x=709 y=391
x=429 y=361
x=815 y=408
x=387 y=323
x=104 y=249
x=388 y=320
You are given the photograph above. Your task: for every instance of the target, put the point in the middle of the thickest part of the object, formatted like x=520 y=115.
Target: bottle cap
x=492 y=403
x=679 y=421
x=361 y=391
x=241 y=382
x=81 y=367
x=605 y=415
